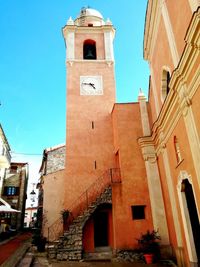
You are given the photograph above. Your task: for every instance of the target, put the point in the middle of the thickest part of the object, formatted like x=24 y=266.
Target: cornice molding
x=152 y=19
x=83 y=29
x=70 y=62
x=148 y=151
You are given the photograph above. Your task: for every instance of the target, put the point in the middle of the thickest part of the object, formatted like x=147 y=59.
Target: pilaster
x=144 y=114
x=108 y=41
x=155 y=192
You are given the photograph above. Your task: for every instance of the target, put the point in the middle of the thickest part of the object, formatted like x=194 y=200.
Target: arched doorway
x=190 y=216
x=193 y=214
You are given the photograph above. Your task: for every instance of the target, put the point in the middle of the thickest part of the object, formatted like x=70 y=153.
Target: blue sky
x=33 y=72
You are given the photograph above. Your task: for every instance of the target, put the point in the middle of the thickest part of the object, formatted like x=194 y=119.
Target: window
x=13 y=169
x=11 y=191
x=177 y=150
x=165 y=84
x=138 y=212
x=89 y=49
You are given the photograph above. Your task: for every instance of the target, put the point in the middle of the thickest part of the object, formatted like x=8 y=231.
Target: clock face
x=91 y=85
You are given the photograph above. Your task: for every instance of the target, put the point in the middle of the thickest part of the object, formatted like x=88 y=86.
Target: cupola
x=89 y=17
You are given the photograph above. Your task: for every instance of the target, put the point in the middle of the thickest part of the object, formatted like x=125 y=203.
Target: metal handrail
x=111 y=176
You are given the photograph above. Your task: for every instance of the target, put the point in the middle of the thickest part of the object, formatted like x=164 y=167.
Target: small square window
x=138 y=212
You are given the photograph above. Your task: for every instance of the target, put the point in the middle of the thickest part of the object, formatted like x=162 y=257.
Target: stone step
x=98 y=256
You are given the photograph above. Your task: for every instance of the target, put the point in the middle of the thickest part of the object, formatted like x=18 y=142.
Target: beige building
x=30 y=215
x=51 y=180
x=14 y=193
x=5 y=156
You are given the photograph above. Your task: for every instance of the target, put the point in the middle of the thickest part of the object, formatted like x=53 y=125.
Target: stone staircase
x=70 y=245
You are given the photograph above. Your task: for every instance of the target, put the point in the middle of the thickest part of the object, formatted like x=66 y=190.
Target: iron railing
x=82 y=203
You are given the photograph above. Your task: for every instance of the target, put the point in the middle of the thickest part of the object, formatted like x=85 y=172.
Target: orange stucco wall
x=180 y=15
x=186 y=165
x=133 y=189
x=84 y=144
x=161 y=58
x=176 y=118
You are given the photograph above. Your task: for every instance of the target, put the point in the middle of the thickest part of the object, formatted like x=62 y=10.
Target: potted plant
x=149 y=244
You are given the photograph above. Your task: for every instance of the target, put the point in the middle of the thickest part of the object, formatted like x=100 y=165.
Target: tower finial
x=141 y=95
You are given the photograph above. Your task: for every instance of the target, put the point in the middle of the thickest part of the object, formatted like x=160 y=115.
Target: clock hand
x=92 y=84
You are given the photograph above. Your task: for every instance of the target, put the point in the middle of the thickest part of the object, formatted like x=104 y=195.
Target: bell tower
x=90 y=99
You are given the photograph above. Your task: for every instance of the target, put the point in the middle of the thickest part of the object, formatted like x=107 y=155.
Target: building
x=171 y=149
x=104 y=178
x=30 y=215
x=130 y=167
x=14 y=193
x=5 y=157
x=52 y=173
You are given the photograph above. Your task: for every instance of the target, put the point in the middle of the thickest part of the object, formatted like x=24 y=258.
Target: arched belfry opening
x=89 y=49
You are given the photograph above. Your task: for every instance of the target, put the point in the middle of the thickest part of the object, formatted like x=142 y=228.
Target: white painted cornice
x=152 y=19
x=84 y=29
x=97 y=61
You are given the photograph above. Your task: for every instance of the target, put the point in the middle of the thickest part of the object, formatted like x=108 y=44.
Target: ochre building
x=129 y=167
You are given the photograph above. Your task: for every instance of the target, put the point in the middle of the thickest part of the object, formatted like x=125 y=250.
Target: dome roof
x=90 y=12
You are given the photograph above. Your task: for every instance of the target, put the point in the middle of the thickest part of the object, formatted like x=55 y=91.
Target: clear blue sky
x=32 y=65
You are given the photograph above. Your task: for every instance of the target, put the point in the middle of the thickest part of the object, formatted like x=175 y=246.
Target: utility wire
x=26 y=154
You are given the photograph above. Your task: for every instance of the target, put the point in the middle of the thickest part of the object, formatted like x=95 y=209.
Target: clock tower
x=90 y=99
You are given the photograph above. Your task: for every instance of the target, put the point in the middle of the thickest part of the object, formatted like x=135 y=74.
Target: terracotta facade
x=153 y=144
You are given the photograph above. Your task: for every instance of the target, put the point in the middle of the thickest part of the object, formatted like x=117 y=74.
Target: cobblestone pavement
x=43 y=262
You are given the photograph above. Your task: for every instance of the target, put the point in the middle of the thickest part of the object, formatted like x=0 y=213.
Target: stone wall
x=55 y=160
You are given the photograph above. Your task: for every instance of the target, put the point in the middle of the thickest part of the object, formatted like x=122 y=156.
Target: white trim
x=193 y=138
x=185 y=216
x=153 y=38
x=70 y=43
x=170 y=35
x=155 y=192
x=194 y=4
x=108 y=43
x=172 y=197
x=144 y=115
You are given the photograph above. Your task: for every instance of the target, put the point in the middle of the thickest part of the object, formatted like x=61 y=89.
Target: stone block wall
x=55 y=160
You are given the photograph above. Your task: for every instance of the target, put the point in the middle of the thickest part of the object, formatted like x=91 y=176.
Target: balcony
x=5 y=157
